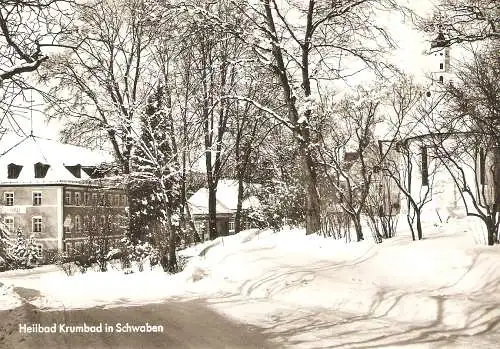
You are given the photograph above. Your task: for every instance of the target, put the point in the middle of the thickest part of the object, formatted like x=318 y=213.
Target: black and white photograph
x=249 y=174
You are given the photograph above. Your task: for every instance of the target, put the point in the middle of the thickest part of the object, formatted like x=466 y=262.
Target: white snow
x=227 y=198
x=308 y=291
x=30 y=150
x=8 y=298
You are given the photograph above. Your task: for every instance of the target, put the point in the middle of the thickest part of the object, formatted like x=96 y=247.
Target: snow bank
x=8 y=298
x=448 y=279
x=447 y=273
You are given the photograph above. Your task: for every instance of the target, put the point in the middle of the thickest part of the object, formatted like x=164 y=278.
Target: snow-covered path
x=309 y=292
x=331 y=328
x=443 y=292
x=185 y=325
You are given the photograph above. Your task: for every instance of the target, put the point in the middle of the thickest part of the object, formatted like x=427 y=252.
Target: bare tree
x=406 y=159
x=104 y=77
x=303 y=45
x=464 y=21
x=217 y=69
x=414 y=174
x=469 y=148
x=350 y=154
x=27 y=27
x=472 y=99
x=472 y=163
x=30 y=30
x=250 y=127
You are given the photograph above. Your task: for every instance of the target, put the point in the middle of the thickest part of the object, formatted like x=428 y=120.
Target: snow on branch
x=22 y=68
x=259 y=106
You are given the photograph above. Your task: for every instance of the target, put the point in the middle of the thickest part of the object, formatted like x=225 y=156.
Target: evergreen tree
x=155 y=184
x=24 y=251
x=3 y=248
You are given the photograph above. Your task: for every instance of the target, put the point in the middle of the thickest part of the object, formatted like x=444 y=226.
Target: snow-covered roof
x=227 y=198
x=31 y=150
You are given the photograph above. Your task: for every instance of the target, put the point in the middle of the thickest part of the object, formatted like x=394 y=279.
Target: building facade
x=56 y=194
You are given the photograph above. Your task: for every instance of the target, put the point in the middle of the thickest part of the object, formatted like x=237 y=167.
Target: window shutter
x=425 y=168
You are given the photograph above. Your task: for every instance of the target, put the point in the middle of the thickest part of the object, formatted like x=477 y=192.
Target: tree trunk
x=135 y=230
x=172 y=245
x=410 y=225
x=419 y=225
x=172 y=255
x=492 y=233
x=239 y=206
x=313 y=206
x=358 y=228
x=212 y=210
x=183 y=193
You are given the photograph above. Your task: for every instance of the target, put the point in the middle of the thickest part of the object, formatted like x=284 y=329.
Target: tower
x=440 y=62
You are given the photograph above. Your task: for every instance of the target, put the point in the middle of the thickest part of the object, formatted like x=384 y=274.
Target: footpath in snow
x=313 y=292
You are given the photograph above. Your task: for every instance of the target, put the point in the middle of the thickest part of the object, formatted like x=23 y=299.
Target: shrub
x=50 y=256
x=66 y=265
x=282 y=203
x=24 y=253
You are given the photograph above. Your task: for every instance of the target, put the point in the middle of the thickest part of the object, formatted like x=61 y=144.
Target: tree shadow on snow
x=442 y=317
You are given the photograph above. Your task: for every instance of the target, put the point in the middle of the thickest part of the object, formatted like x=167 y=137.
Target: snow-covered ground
x=311 y=292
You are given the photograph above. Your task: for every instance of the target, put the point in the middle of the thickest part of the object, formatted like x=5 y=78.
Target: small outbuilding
x=226 y=204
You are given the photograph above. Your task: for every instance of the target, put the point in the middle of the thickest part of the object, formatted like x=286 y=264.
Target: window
x=102 y=199
x=78 y=200
x=117 y=219
x=117 y=200
x=85 y=199
x=441 y=66
x=199 y=226
x=37 y=198
x=231 y=225
x=13 y=171
x=94 y=199
x=441 y=79
x=67 y=198
x=78 y=223
x=41 y=170
x=39 y=250
x=9 y=222
x=101 y=224
x=8 y=198
x=37 y=224
x=78 y=245
x=425 y=168
x=395 y=207
x=110 y=200
x=124 y=200
x=86 y=222
x=67 y=224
